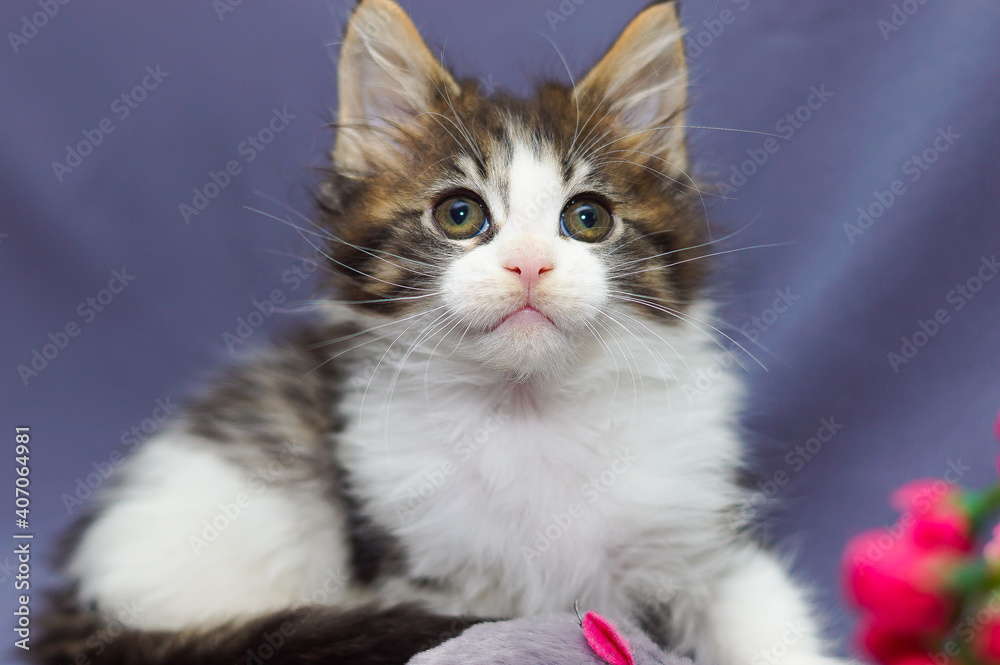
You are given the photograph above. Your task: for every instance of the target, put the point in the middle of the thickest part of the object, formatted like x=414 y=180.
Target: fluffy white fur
x=188 y=539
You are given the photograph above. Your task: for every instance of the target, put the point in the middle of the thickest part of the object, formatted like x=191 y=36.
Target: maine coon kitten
x=488 y=423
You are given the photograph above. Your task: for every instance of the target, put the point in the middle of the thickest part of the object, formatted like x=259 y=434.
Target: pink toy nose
x=529 y=269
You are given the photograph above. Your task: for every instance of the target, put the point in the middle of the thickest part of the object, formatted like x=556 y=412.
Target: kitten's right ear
x=643 y=79
x=387 y=79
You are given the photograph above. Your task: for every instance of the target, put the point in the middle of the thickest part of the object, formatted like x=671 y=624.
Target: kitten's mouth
x=526 y=316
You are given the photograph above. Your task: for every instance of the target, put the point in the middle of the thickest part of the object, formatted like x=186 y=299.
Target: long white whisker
x=364 y=396
x=326 y=234
x=659 y=337
x=430 y=328
x=358 y=346
x=607 y=352
x=704 y=256
x=633 y=372
x=682 y=249
x=688 y=317
x=366 y=330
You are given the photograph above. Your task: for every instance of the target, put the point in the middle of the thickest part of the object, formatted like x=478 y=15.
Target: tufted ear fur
x=387 y=80
x=643 y=78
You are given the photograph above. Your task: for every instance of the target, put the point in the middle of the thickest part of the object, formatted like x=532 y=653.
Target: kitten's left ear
x=643 y=79
x=387 y=79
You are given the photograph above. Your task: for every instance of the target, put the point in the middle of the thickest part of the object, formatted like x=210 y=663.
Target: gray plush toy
x=552 y=639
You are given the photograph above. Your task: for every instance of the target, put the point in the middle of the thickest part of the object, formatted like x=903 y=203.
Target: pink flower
x=903 y=585
x=933 y=512
x=986 y=643
x=924 y=659
x=884 y=645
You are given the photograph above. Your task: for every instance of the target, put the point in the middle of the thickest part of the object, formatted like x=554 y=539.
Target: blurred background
x=138 y=139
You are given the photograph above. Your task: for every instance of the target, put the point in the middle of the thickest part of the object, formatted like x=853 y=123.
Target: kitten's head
x=528 y=232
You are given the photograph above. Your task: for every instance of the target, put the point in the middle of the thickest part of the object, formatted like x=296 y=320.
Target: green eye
x=461 y=216
x=586 y=220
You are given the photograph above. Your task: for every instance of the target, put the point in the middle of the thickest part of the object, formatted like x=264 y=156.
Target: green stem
x=973 y=578
x=982 y=504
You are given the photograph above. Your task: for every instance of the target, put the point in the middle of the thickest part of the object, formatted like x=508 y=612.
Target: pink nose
x=529 y=269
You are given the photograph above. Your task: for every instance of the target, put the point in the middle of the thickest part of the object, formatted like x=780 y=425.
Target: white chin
x=526 y=345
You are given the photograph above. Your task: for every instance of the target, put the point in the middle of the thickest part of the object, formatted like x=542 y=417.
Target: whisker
x=688 y=318
x=374 y=373
x=319 y=250
x=704 y=256
x=685 y=126
x=607 y=352
x=358 y=346
x=585 y=145
x=427 y=367
x=659 y=337
x=682 y=249
x=337 y=340
x=326 y=234
x=572 y=84
x=633 y=372
x=399 y=371
x=659 y=174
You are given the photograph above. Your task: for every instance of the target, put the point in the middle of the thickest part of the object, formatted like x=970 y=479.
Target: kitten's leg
x=755 y=614
x=188 y=537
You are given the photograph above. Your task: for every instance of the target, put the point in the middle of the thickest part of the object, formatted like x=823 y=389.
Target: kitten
x=489 y=421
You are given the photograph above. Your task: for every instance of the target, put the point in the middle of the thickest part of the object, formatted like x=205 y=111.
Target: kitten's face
x=527 y=231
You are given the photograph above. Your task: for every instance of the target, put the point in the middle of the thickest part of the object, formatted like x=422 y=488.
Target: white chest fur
x=524 y=500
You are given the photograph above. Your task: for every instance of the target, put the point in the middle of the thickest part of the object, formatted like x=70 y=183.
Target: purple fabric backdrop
x=890 y=108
